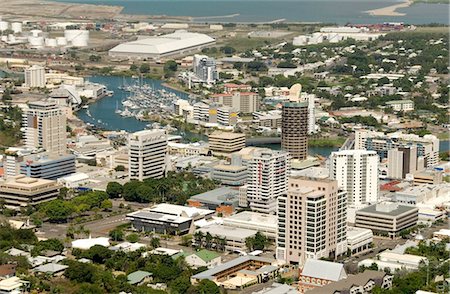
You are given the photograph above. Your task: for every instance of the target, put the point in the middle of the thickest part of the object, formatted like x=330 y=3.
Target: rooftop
x=228 y=232
x=209 y=274
x=226 y=135
x=164 y=44
x=50 y=268
x=254 y=217
x=322 y=269
x=206 y=255
x=389 y=209
x=24 y=182
x=217 y=196
x=137 y=277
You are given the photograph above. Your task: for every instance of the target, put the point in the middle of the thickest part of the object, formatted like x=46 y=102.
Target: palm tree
x=155 y=242
x=208 y=239
x=222 y=243
x=198 y=237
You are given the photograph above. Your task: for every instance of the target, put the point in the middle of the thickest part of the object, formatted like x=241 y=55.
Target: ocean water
x=326 y=11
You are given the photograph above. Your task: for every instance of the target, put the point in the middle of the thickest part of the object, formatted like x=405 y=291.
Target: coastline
x=390 y=10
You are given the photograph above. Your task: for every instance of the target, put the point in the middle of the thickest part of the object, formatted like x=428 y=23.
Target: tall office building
x=44 y=126
x=312 y=220
x=205 y=68
x=268 y=172
x=294 y=129
x=147 y=154
x=356 y=171
x=35 y=76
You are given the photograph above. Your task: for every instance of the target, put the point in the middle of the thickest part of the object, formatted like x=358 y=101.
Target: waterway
x=102 y=112
x=326 y=11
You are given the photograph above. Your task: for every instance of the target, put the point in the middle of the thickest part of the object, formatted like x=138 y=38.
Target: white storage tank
x=50 y=42
x=3 y=25
x=11 y=38
x=61 y=41
x=4 y=38
x=36 y=41
x=78 y=38
x=36 y=33
x=16 y=27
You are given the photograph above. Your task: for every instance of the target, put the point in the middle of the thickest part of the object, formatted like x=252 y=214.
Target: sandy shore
x=390 y=10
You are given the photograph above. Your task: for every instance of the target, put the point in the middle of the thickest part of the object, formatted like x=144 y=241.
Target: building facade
x=35 y=77
x=268 y=177
x=21 y=191
x=225 y=142
x=147 y=154
x=205 y=69
x=294 y=129
x=356 y=171
x=245 y=102
x=312 y=220
x=48 y=167
x=44 y=124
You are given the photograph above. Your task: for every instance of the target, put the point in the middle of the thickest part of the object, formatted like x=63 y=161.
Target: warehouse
x=178 y=43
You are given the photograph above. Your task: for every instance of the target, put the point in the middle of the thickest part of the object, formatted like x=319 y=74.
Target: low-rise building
x=359 y=239
x=239 y=272
x=316 y=273
x=13 y=285
x=401 y=105
x=45 y=166
x=216 y=198
x=74 y=180
x=168 y=218
x=387 y=218
x=362 y=283
x=263 y=223
x=277 y=288
x=432 y=177
x=231 y=175
x=21 y=191
x=442 y=234
x=395 y=261
x=235 y=237
x=203 y=258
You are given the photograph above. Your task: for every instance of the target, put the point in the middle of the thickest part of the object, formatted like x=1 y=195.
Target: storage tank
x=11 y=38
x=4 y=38
x=16 y=27
x=50 y=42
x=78 y=38
x=36 y=41
x=3 y=25
x=61 y=41
x=35 y=33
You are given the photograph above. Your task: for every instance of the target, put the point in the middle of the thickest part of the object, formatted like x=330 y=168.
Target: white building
x=356 y=171
x=264 y=223
x=147 y=154
x=401 y=105
x=201 y=111
x=205 y=69
x=268 y=174
x=204 y=258
x=156 y=47
x=359 y=239
x=395 y=261
x=35 y=77
x=44 y=126
x=85 y=244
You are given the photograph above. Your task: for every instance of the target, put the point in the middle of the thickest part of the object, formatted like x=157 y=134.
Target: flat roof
x=226 y=135
x=400 y=209
x=228 y=232
x=217 y=196
x=254 y=218
x=229 y=167
x=24 y=182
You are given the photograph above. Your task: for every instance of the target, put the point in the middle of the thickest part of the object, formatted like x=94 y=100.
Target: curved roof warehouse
x=179 y=42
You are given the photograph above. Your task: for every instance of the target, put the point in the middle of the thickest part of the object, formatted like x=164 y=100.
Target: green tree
x=80 y=272
x=180 y=285
x=119 y=168
x=144 y=68
x=58 y=210
x=170 y=67
x=133 y=238
x=114 y=189
x=117 y=234
x=106 y=204
x=98 y=254
x=207 y=287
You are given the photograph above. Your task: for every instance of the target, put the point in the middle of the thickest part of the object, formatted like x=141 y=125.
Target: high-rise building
x=427 y=146
x=294 y=129
x=356 y=171
x=268 y=175
x=147 y=154
x=402 y=161
x=201 y=111
x=312 y=220
x=44 y=126
x=35 y=76
x=205 y=69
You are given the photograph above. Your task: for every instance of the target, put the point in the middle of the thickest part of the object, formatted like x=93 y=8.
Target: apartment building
x=268 y=172
x=402 y=161
x=312 y=219
x=147 y=154
x=356 y=171
x=44 y=124
x=427 y=146
x=294 y=129
x=245 y=102
x=35 y=76
x=21 y=191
